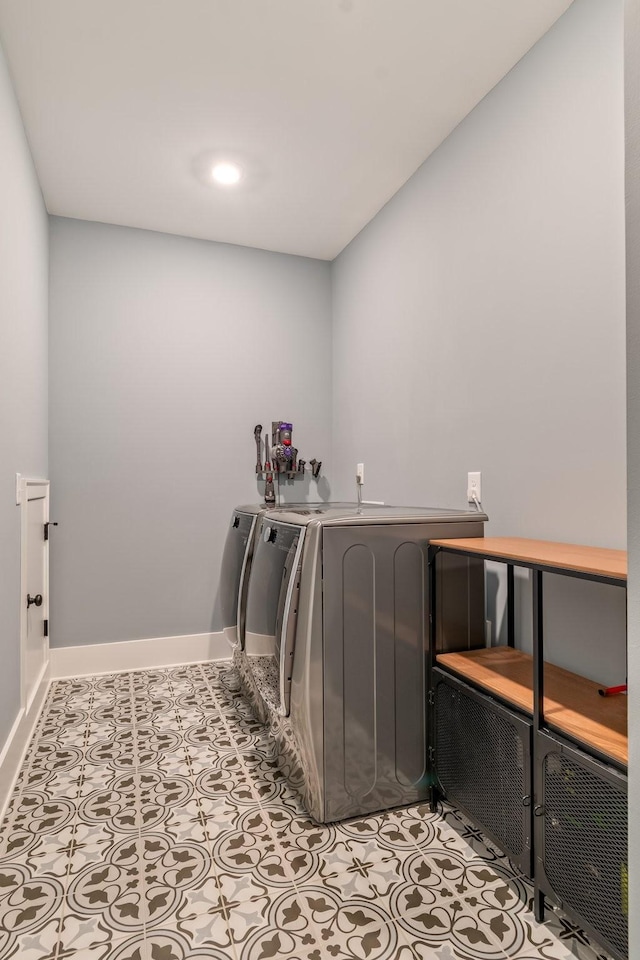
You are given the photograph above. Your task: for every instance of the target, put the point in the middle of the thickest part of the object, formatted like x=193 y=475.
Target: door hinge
x=46 y=627
x=431 y=698
x=432 y=754
x=48 y=524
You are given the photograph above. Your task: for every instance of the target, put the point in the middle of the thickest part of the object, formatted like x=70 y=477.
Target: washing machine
x=336 y=639
x=236 y=564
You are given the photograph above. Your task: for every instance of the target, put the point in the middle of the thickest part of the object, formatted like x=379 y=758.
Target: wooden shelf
x=597 y=561
x=572 y=704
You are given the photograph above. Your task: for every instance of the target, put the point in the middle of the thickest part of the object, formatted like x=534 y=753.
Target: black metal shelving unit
x=555 y=804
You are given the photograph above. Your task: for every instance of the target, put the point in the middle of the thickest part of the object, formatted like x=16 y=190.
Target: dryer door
x=235 y=560
x=272 y=610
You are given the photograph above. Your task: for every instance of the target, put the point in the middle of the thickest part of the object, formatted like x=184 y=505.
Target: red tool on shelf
x=612 y=691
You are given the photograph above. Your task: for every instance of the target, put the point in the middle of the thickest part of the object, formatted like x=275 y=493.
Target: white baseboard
x=17 y=742
x=97 y=658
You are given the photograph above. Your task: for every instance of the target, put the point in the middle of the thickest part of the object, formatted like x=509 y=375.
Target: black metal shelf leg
x=538 y=720
x=538 y=906
x=430 y=663
x=511 y=607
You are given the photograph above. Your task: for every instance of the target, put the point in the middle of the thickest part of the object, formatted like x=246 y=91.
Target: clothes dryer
x=336 y=640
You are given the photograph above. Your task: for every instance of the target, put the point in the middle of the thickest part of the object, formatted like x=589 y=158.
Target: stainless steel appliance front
x=272 y=606
x=236 y=564
x=235 y=559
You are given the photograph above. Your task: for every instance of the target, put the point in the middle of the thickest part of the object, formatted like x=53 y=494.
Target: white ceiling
x=329 y=105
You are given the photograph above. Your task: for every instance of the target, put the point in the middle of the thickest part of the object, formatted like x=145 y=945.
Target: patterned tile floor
x=150 y=822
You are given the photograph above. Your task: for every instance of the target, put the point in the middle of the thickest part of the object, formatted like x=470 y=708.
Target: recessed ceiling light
x=226 y=174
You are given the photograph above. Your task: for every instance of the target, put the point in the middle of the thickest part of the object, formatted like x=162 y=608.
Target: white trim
x=25 y=484
x=97 y=658
x=12 y=755
x=43 y=678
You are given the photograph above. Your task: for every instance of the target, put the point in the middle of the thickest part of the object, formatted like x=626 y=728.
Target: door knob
x=37 y=600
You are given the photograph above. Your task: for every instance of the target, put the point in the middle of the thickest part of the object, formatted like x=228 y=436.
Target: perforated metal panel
x=483 y=764
x=584 y=842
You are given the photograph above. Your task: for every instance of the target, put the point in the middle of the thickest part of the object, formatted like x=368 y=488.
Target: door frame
x=28 y=485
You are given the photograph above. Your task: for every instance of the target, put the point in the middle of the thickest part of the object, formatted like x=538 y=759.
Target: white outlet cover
x=474 y=486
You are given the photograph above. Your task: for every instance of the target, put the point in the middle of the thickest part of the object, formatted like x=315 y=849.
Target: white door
x=35 y=587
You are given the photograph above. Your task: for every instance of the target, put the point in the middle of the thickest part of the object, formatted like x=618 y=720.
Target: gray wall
x=478 y=323
x=23 y=370
x=632 y=117
x=479 y=318
x=164 y=354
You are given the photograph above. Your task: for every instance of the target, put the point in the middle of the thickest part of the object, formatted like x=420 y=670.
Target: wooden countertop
x=572 y=704
x=568 y=556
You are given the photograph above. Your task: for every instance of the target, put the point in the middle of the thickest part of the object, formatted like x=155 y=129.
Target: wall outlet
x=360 y=473
x=474 y=487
